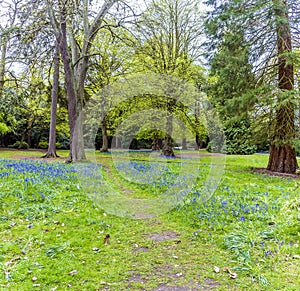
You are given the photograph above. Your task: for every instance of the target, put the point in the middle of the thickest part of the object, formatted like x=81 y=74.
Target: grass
x=53 y=230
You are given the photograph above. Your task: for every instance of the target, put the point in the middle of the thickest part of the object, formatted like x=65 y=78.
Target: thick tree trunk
x=51 y=152
x=282 y=154
x=104 y=147
x=155 y=143
x=168 y=145
x=198 y=142
x=74 y=101
x=282 y=159
x=118 y=142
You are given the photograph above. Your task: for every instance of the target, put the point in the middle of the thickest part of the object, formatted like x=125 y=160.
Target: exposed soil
x=163 y=236
x=276 y=174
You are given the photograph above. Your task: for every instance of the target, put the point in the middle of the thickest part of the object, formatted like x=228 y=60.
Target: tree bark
x=51 y=152
x=184 y=144
x=155 y=142
x=104 y=147
x=282 y=154
x=75 y=64
x=168 y=145
x=2 y=66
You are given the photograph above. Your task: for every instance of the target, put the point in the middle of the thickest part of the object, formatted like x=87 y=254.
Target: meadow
x=77 y=227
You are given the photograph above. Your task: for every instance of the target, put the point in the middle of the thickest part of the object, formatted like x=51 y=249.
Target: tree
x=230 y=79
x=169 y=34
x=283 y=154
x=51 y=152
x=111 y=60
x=8 y=27
x=74 y=50
x=269 y=30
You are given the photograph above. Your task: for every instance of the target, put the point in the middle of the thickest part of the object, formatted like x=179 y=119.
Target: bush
x=16 y=145
x=239 y=140
x=43 y=145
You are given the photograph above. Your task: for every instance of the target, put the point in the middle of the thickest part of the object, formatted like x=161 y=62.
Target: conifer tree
x=230 y=79
x=270 y=30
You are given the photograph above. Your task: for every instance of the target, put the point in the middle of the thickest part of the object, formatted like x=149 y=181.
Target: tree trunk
x=51 y=152
x=184 y=144
x=74 y=102
x=2 y=66
x=282 y=159
x=118 y=142
x=198 y=142
x=168 y=146
x=104 y=147
x=282 y=154
x=155 y=142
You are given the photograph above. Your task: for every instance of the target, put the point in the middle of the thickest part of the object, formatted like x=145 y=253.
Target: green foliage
x=43 y=145
x=16 y=145
x=230 y=81
x=239 y=139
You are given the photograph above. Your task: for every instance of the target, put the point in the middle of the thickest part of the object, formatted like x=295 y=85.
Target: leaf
x=232 y=275
x=106 y=239
x=74 y=272
x=225 y=269
x=216 y=269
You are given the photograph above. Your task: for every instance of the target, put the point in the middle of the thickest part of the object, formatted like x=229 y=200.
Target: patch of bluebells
x=36 y=171
x=233 y=207
x=157 y=175
x=34 y=181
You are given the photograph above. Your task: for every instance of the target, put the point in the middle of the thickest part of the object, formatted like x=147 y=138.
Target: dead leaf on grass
x=216 y=269
x=74 y=272
x=8 y=263
x=106 y=239
x=231 y=274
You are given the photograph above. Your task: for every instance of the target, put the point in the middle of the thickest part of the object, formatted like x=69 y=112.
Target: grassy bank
x=54 y=230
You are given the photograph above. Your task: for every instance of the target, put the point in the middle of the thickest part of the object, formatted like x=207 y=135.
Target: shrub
x=43 y=145
x=16 y=145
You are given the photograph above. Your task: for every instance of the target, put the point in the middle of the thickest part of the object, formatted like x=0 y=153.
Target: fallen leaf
x=232 y=275
x=8 y=263
x=216 y=269
x=106 y=239
x=74 y=272
x=271 y=223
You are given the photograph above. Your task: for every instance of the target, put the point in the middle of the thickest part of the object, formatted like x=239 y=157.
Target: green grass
x=50 y=226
